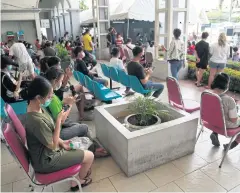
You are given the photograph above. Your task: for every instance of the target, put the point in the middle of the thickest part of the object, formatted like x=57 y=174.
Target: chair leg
x=229 y=145
x=111 y=86
x=43 y=188
x=78 y=183
x=199 y=133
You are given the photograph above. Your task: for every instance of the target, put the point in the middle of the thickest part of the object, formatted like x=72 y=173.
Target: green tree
x=82 y=5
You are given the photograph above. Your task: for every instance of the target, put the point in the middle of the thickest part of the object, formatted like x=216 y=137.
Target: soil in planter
x=134 y=120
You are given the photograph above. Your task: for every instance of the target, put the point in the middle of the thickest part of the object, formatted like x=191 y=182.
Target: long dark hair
x=53 y=73
x=221 y=81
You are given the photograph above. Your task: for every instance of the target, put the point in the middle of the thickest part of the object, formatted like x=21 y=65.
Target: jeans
x=71 y=129
x=176 y=65
x=155 y=86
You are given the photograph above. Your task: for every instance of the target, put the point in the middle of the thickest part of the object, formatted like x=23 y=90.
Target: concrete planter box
x=147 y=148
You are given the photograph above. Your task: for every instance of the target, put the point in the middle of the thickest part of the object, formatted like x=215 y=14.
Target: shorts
x=219 y=66
x=26 y=68
x=202 y=65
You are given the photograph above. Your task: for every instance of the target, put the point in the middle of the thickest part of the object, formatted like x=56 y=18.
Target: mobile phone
x=65 y=107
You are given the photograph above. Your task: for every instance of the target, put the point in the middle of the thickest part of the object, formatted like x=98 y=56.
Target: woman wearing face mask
x=70 y=128
x=220 y=86
x=48 y=152
x=10 y=87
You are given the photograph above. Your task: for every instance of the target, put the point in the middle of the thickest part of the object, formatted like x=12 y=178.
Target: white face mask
x=58 y=86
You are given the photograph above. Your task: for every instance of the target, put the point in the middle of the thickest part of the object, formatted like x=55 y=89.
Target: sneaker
x=233 y=145
x=215 y=140
x=129 y=93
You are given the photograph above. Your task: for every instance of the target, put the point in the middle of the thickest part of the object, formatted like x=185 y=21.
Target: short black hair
x=5 y=61
x=53 y=73
x=37 y=40
x=137 y=50
x=40 y=86
x=44 y=64
x=193 y=43
x=47 y=44
x=235 y=49
x=87 y=31
x=115 y=52
x=53 y=61
x=221 y=81
x=177 y=32
x=205 y=35
x=77 y=50
x=129 y=40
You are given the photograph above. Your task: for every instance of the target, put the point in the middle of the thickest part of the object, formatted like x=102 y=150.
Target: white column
x=156 y=31
x=38 y=26
x=74 y=22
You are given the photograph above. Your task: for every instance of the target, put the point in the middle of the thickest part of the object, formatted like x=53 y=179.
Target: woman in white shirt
x=176 y=53
x=220 y=52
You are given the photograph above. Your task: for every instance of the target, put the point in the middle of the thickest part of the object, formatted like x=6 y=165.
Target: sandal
x=200 y=85
x=87 y=181
x=89 y=173
x=101 y=152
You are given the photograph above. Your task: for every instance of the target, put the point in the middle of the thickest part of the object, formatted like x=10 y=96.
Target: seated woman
x=48 y=152
x=220 y=86
x=81 y=66
x=117 y=63
x=10 y=87
x=69 y=128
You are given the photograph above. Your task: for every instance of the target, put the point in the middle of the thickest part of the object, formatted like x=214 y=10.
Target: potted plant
x=62 y=53
x=145 y=112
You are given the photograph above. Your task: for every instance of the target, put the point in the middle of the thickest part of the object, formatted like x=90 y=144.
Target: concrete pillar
x=55 y=27
x=74 y=22
x=59 y=26
x=38 y=26
x=64 y=21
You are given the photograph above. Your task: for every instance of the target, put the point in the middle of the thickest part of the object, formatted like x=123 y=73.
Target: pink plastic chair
x=176 y=100
x=16 y=123
x=211 y=104
x=17 y=147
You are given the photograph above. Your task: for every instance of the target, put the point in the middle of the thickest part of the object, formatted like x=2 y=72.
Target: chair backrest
x=16 y=146
x=79 y=77
x=149 y=58
x=105 y=70
x=114 y=74
x=16 y=123
x=97 y=90
x=89 y=83
x=37 y=71
x=136 y=85
x=212 y=113
x=76 y=75
x=123 y=78
x=174 y=93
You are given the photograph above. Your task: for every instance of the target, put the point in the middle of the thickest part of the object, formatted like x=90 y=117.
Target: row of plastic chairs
x=100 y=91
x=123 y=78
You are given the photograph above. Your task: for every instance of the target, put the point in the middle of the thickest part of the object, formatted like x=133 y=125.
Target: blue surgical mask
x=9 y=67
x=47 y=103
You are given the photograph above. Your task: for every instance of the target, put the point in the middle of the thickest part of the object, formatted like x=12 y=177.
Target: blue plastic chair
x=123 y=78
x=114 y=74
x=106 y=94
x=19 y=108
x=105 y=70
x=80 y=77
x=89 y=83
x=137 y=86
x=37 y=71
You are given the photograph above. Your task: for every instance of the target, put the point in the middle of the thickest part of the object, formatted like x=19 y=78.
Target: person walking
x=202 y=56
x=87 y=42
x=219 y=54
x=176 y=53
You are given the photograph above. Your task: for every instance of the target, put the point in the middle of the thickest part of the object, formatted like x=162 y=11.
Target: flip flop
x=87 y=181
x=200 y=85
x=100 y=152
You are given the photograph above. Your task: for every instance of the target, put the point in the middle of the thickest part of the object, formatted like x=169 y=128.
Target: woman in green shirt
x=70 y=129
x=48 y=152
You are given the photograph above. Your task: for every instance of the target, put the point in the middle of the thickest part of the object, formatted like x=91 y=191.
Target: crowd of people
x=48 y=126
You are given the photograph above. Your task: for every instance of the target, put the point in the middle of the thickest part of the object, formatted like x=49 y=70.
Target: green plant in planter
x=145 y=108
x=62 y=53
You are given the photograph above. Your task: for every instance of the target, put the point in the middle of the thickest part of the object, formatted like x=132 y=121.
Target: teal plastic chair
x=114 y=74
x=137 y=86
x=80 y=77
x=123 y=78
x=19 y=108
x=106 y=94
x=105 y=70
x=89 y=83
x=37 y=71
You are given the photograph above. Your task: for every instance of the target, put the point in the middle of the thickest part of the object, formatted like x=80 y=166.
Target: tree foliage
x=82 y=5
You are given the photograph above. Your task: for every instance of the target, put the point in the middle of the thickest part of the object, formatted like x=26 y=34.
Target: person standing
x=87 y=42
x=220 y=52
x=202 y=56
x=176 y=53
x=19 y=51
x=48 y=50
x=111 y=39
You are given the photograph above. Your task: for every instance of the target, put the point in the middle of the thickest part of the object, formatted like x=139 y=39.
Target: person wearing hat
x=10 y=87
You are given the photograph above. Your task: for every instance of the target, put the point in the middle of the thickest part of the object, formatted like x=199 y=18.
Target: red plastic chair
x=176 y=100
x=211 y=104
x=16 y=146
x=16 y=123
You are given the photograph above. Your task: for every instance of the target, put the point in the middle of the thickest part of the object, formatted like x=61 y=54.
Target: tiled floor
x=197 y=172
